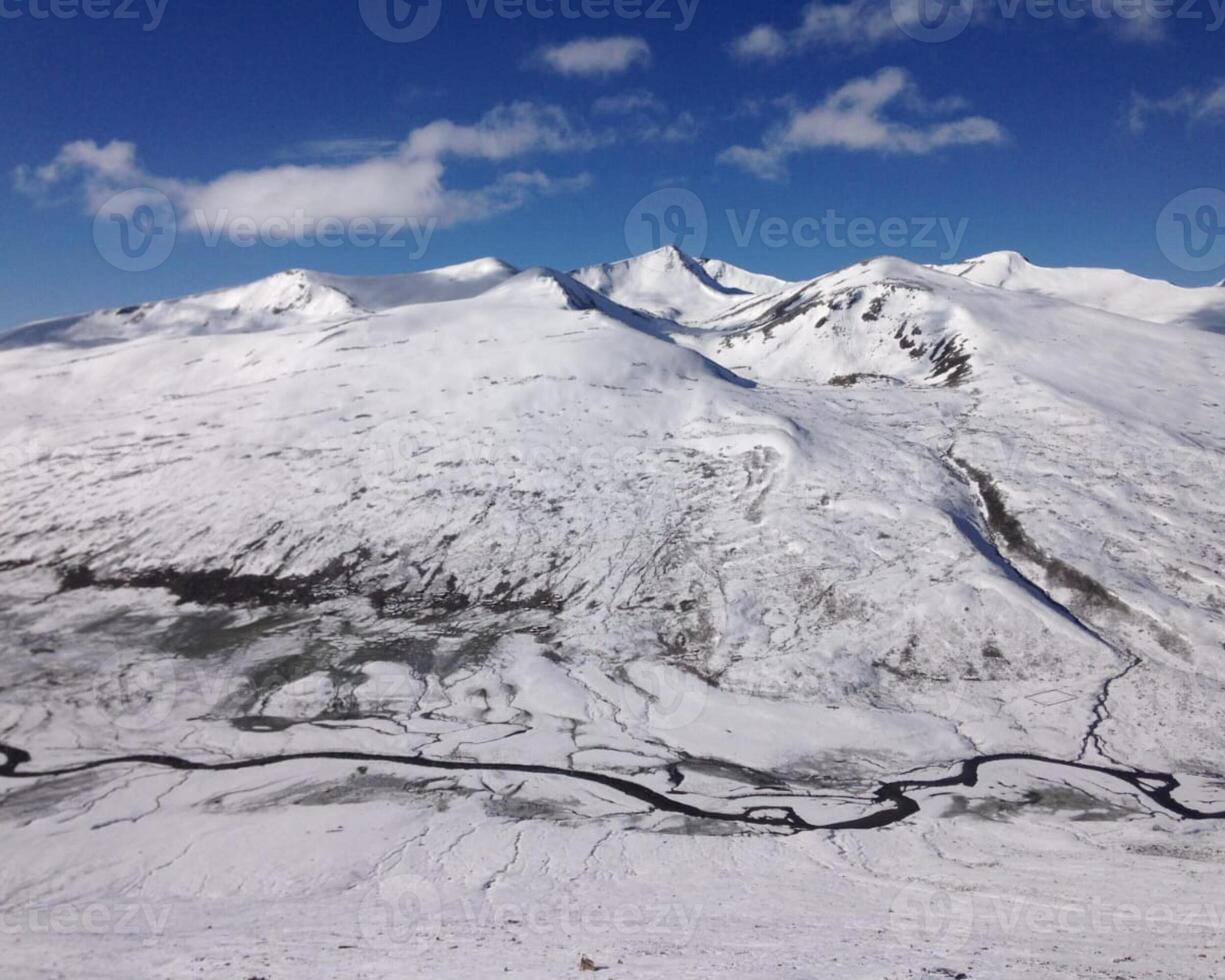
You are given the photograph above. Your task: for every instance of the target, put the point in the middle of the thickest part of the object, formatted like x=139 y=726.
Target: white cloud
x=117 y=161
x=768 y=164
x=854 y=118
x=681 y=129
x=596 y=57
x=858 y=23
x=871 y=23
x=645 y=117
x=507 y=131
x=763 y=41
x=1196 y=105
x=1137 y=21
x=404 y=183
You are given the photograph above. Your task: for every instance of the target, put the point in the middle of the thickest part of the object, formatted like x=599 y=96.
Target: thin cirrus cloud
x=405 y=183
x=341 y=148
x=1205 y=104
x=856 y=117
x=860 y=23
x=595 y=57
x=867 y=24
x=627 y=103
x=643 y=116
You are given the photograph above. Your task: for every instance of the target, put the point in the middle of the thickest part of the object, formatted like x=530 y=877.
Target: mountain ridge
x=1112 y=290
x=665 y=284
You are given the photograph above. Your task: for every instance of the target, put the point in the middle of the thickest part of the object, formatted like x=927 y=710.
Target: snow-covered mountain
x=444 y=285
x=470 y=588
x=670 y=284
x=296 y=296
x=1104 y=289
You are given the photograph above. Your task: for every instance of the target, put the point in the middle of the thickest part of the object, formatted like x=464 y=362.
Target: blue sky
x=535 y=138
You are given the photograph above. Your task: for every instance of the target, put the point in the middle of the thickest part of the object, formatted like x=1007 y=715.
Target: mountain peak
x=998 y=264
x=1112 y=290
x=1004 y=255
x=667 y=257
x=542 y=285
x=476 y=268
x=670 y=283
x=669 y=252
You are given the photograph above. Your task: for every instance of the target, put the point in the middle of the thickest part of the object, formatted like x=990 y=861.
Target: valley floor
x=392 y=889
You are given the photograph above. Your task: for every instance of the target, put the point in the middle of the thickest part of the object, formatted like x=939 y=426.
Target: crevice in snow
x=1011 y=534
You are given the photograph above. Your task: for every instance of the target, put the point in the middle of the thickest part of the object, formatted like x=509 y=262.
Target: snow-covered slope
x=733 y=277
x=388 y=613
x=670 y=284
x=542 y=362
x=880 y=319
x=443 y=285
x=1105 y=289
x=288 y=298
